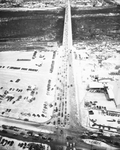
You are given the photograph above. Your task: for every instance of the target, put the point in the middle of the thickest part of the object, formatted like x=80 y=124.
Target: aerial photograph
x=59 y=74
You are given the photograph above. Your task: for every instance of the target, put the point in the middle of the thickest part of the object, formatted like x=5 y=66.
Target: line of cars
x=70 y=145
x=52 y=67
x=26 y=134
x=39 y=136
x=4 y=141
x=60 y=106
x=44 y=111
x=33 y=146
x=10 y=127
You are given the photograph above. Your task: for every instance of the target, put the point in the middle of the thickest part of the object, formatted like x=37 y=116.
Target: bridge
x=67 y=33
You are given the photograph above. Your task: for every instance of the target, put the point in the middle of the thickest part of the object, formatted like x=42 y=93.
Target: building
x=110 y=94
x=95 y=85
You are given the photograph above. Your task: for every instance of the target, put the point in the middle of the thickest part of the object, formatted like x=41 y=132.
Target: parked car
x=4 y=126
x=69 y=138
x=26 y=119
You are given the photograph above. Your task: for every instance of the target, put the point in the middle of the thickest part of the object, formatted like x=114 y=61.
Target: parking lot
x=27 y=85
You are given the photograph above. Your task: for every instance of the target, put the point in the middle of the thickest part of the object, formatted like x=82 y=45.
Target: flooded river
x=24 y=30
x=96 y=24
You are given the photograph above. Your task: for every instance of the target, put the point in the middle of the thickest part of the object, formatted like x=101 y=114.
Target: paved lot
x=27 y=84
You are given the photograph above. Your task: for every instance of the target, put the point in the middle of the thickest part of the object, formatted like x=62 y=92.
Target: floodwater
x=96 y=25
x=24 y=30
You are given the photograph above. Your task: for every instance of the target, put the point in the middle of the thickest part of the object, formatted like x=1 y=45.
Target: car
x=15 y=134
x=40 y=134
x=44 y=138
x=70 y=144
x=83 y=136
x=9 y=110
x=50 y=139
x=24 y=147
x=13 y=102
x=58 y=120
x=26 y=119
x=8 y=142
x=19 y=97
x=91 y=112
x=42 y=115
x=48 y=122
x=3 y=140
x=54 y=123
x=74 y=144
x=0 y=138
x=30 y=133
x=25 y=136
x=36 y=135
x=67 y=143
x=45 y=107
x=11 y=127
x=21 y=144
x=34 y=115
x=11 y=143
x=1 y=96
x=69 y=138
x=22 y=133
x=4 y=131
x=4 y=126
x=17 y=80
x=30 y=147
x=10 y=89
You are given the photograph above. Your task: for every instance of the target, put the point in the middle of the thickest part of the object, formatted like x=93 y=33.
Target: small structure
x=110 y=94
x=95 y=85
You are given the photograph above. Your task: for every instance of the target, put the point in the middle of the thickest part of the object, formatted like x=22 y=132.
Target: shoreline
x=30 y=9
x=56 y=7
x=94 y=8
